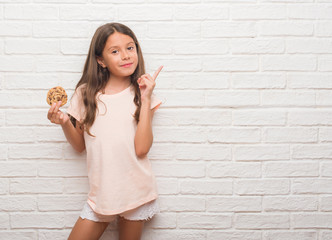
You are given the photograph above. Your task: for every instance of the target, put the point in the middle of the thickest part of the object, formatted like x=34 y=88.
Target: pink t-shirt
x=119 y=180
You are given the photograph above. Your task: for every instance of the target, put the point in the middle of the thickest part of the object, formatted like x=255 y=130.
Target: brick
x=87 y=12
x=206 y=187
x=204 y=221
x=151 y=46
x=161 y=151
x=312 y=220
x=230 y=235
x=15 y=29
x=234 y=204
x=36 y=185
x=61 y=64
x=202 y=152
x=174 y=169
x=74 y=46
x=212 y=29
x=311 y=151
x=30 y=81
x=14 y=135
x=286 y=28
x=326 y=170
x=290 y=134
x=258 y=80
x=164 y=221
x=4 y=186
x=234 y=135
x=173 y=30
x=310 y=80
x=308 y=46
x=37 y=220
x=182 y=204
x=199 y=12
x=62 y=169
x=290 y=203
x=326 y=204
x=61 y=203
x=262 y=221
x=61 y=29
x=258 y=117
x=325 y=134
x=312 y=186
x=291 y=169
x=261 y=153
x=323 y=29
x=9 y=63
x=22 y=235
x=18 y=169
x=175 y=64
x=258 y=12
x=18 y=117
x=309 y=117
x=262 y=187
x=323 y=98
x=181 y=135
x=49 y=135
x=76 y=185
x=289 y=63
x=145 y=13
x=257 y=46
x=208 y=47
x=31 y=46
x=294 y=235
x=274 y=98
x=167 y=186
x=55 y=234
x=212 y=80
x=62 y=1
x=232 y=98
x=177 y=234
x=225 y=64
x=32 y=151
x=4 y=220
x=310 y=11
x=234 y=169
x=324 y=63
x=31 y=12
x=192 y=117
x=18 y=204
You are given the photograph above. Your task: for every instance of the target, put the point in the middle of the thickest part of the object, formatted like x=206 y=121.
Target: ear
x=100 y=61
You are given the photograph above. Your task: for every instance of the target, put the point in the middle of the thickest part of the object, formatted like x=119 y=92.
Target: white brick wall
x=243 y=141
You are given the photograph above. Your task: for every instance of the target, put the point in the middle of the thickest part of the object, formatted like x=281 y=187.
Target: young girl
x=110 y=116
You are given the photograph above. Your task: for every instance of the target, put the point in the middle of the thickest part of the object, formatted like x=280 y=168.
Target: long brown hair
x=95 y=77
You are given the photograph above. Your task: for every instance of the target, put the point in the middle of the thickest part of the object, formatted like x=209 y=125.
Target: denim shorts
x=143 y=212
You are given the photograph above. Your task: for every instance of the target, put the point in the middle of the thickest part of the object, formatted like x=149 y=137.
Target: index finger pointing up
x=157 y=72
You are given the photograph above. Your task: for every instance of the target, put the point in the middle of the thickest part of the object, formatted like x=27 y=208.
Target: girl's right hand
x=55 y=115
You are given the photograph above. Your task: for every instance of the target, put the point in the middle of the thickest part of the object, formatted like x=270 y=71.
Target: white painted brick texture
x=242 y=143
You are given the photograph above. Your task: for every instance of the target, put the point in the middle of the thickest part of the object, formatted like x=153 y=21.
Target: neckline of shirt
x=116 y=94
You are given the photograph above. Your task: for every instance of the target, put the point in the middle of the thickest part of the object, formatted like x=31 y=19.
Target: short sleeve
x=155 y=102
x=76 y=106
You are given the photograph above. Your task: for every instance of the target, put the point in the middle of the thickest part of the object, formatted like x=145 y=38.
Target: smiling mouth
x=127 y=65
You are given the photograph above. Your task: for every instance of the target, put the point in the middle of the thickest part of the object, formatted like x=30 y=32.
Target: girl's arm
x=144 y=136
x=73 y=134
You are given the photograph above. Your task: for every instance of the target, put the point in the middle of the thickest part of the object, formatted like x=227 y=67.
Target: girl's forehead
x=118 y=39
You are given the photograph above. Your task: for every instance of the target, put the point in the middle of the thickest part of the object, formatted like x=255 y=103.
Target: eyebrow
x=118 y=46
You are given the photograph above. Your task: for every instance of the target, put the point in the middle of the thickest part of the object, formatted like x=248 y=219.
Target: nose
x=125 y=55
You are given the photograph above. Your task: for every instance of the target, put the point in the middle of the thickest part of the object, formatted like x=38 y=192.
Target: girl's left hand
x=147 y=83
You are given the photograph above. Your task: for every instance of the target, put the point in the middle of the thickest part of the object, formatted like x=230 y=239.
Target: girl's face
x=119 y=55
